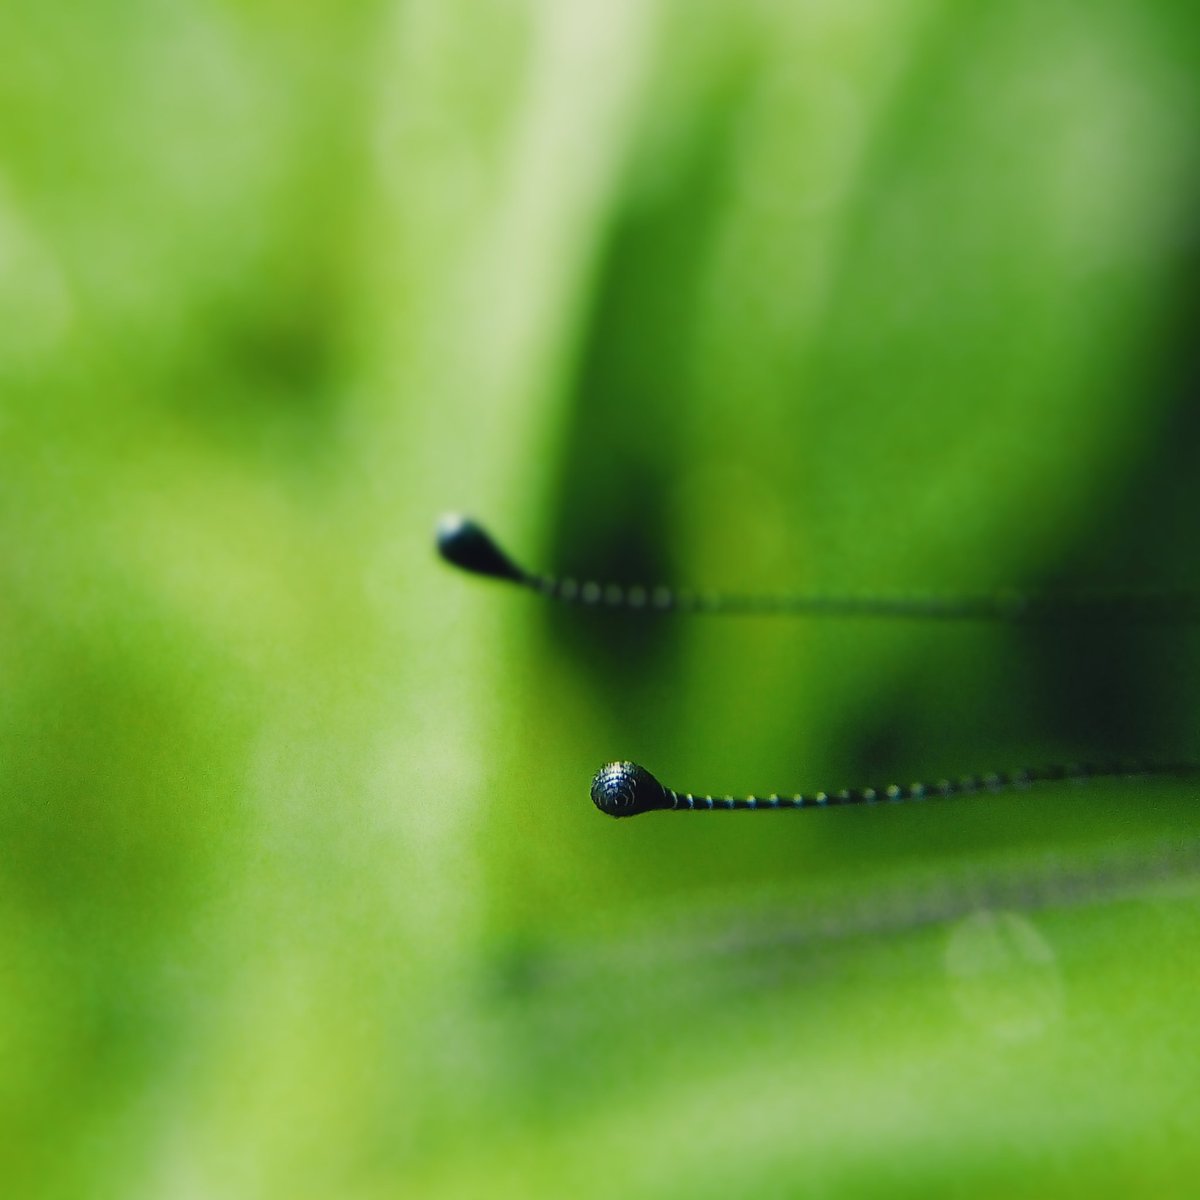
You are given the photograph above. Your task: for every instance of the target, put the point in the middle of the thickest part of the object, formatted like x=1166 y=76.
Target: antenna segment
x=624 y=789
x=468 y=546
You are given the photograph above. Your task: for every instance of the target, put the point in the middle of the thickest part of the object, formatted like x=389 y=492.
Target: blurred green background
x=301 y=893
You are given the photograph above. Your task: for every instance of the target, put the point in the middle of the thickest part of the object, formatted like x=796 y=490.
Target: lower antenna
x=624 y=789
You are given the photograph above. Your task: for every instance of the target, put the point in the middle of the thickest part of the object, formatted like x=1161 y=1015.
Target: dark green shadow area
x=614 y=504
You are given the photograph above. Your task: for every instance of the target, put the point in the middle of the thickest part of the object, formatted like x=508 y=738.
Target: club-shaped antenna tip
x=623 y=789
x=468 y=545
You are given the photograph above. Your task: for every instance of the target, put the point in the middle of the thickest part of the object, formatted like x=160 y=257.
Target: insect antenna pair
x=625 y=789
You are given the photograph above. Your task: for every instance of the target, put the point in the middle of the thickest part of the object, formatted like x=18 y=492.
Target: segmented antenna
x=467 y=545
x=624 y=789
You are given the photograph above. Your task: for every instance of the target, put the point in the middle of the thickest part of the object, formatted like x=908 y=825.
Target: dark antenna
x=624 y=789
x=467 y=545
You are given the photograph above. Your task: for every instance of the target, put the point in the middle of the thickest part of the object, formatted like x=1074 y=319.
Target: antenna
x=624 y=789
x=467 y=545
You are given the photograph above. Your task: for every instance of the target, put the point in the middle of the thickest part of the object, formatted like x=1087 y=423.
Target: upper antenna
x=466 y=544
